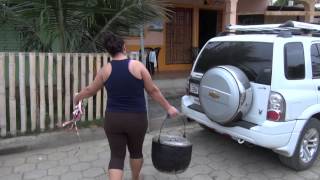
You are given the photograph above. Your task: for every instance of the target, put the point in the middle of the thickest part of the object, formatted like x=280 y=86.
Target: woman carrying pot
x=126 y=117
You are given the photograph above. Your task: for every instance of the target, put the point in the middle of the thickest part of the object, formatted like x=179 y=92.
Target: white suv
x=261 y=85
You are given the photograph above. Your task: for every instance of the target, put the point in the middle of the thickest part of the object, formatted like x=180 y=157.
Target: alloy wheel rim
x=309 y=145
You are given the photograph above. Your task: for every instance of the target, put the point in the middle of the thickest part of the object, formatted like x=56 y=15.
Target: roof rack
x=292 y=27
x=301 y=25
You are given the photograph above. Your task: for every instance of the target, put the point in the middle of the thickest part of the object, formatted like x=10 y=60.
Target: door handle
x=318 y=88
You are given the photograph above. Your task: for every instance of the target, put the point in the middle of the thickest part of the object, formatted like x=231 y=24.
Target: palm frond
x=132 y=14
x=68 y=25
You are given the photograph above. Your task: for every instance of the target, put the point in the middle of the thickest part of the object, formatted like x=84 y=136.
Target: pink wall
x=193 y=2
x=150 y=38
x=197 y=2
x=252 y=6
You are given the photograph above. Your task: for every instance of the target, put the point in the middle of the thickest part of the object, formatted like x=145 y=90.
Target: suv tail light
x=276 y=107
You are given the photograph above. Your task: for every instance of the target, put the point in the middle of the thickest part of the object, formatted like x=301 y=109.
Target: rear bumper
x=272 y=135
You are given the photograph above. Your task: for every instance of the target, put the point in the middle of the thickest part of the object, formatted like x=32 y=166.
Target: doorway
x=179 y=37
x=208 y=20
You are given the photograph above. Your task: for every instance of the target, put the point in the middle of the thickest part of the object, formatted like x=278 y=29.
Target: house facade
x=190 y=26
x=196 y=21
x=193 y=22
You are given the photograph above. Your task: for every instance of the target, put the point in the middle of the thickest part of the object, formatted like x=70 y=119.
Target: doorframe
x=195 y=35
x=196 y=25
x=219 y=22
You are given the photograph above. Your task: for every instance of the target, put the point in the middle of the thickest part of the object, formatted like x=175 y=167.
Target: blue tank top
x=125 y=92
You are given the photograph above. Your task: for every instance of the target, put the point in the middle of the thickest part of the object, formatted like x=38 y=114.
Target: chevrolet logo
x=214 y=94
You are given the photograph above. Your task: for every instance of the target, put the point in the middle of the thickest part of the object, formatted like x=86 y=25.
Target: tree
x=75 y=25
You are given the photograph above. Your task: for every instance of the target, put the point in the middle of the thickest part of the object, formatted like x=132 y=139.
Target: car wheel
x=307 y=149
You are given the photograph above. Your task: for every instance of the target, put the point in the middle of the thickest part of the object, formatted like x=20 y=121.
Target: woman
x=126 y=119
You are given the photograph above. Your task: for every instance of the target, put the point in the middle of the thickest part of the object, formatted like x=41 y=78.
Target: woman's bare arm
x=95 y=86
x=155 y=92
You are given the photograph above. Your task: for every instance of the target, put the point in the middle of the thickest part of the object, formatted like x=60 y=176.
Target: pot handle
x=167 y=117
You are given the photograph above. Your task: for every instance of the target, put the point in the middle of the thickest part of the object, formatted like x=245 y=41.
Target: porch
x=188 y=29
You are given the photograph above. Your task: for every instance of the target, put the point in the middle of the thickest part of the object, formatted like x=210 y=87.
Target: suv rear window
x=315 y=59
x=294 y=61
x=253 y=58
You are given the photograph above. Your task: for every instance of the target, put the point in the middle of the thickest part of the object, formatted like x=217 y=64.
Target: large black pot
x=171 y=153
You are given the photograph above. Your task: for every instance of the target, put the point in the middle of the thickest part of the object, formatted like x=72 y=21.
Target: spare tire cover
x=222 y=92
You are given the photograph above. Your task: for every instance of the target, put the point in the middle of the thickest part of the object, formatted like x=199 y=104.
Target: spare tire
x=225 y=94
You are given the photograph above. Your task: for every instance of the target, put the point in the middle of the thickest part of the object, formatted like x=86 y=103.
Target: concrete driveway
x=214 y=157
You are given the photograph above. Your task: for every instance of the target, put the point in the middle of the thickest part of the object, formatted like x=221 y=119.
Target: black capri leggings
x=122 y=130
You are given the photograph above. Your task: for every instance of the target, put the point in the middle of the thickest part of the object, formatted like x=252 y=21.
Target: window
x=253 y=58
x=315 y=60
x=133 y=32
x=250 y=19
x=294 y=61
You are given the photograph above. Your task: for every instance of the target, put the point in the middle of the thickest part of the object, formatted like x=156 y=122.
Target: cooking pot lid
x=172 y=140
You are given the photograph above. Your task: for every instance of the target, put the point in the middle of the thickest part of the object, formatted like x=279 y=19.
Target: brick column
x=309 y=6
x=195 y=27
x=231 y=12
